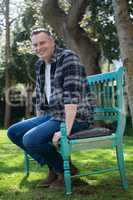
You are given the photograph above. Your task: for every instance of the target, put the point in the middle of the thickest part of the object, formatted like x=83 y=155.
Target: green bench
x=107 y=89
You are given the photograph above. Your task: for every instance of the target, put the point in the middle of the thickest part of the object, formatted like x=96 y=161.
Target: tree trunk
x=125 y=33
x=28 y=102
x=68 y=28
x=7 y=64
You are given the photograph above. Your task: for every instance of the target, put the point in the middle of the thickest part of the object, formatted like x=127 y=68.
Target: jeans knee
x=11 y=132
x=28 y=142
x=25 y=141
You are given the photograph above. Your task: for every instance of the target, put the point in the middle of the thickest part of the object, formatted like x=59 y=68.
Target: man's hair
x=40 y=30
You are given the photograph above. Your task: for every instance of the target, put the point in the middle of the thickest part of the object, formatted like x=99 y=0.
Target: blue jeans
x=35 y=135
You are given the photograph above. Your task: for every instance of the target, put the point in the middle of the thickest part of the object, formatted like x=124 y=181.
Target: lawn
x=15 y=186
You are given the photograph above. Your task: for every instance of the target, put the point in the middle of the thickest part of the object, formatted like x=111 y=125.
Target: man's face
x=43 y=45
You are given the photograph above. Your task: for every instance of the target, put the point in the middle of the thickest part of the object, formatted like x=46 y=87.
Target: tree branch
x=11 y=21
x=2 y=7
x=77 y=11
x=121 y=10
x=53 y=14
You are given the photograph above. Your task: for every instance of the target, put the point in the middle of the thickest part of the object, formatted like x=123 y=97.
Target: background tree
x=87 y=27
x=6 y=23
x=123 y=10
x=66 y=23
x=7 y=64
x=23 y=59
x=7 y=19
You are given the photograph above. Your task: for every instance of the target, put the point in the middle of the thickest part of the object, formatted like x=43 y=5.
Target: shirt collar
x=56 y=54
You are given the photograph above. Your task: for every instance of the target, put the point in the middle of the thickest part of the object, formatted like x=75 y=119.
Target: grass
x=15 y=186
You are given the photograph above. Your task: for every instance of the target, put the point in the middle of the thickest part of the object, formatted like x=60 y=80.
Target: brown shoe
x=74 y=170
x=59 y=182
x=50 y=179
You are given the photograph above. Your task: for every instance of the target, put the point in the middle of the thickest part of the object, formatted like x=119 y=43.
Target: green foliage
x=65 y=5
x=22 y=66
x=32 y=16
x=20 y=37
x=99 y=23
x=28 y=19
x=15 y=186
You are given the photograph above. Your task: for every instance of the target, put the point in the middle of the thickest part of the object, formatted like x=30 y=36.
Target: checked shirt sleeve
x=74 y=76
x=38 y=93
x=38 y=96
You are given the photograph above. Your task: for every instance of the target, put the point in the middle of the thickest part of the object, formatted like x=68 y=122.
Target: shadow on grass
x=107 y=187
x=10 y=169
x=108 y=184
x=81 y=189
x=76 y=182
x=81 y=186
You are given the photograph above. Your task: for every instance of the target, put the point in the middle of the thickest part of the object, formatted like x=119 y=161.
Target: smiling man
x=62 y=94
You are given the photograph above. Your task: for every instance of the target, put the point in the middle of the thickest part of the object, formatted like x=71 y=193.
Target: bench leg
x=121 y=166
x=26 y=163
x=67 y=177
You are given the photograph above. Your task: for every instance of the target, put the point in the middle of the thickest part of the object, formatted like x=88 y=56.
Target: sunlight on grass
x=15 y=186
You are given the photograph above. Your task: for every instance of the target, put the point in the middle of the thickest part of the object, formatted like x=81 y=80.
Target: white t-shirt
x=47 y=81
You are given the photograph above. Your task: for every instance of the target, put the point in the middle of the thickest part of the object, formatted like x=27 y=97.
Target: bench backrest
x=107 y=89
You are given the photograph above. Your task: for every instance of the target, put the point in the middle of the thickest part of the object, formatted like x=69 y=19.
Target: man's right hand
x=39 y=113
x=56 y=138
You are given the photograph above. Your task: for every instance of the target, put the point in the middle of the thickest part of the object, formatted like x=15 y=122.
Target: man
x=61 y=95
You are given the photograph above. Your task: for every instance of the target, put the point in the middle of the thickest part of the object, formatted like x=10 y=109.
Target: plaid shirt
x=68 y=86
